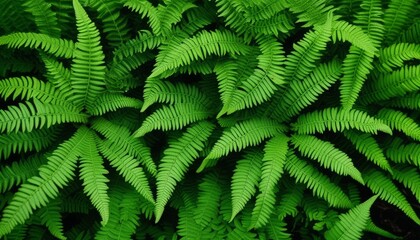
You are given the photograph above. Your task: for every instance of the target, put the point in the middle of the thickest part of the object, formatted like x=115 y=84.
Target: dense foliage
x=213 y=119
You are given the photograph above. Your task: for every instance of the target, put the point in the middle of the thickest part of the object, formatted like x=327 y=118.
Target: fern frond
x=313 y=12
x=169 y=15
x=176 y=160
x=114 y=25
x=396 y=17
x=51 y=217
x=275 y=151
x=38 y=190
x=395 y=84
x=290 y=200
x=45 y=19
x=383 y=186
x=144 y=41
x=31 y=87
x=396 y=54
x=351 y=225
x=308 y=51
x=92 y=173
x=400 y=153
x=368 y=146
x=356 y=67
x=411 y=34
x=344 y=31
x=88 y=70
x=111 y=102
x=198 y=47
x=21 y=142
x=19 y=171
x=320 y=184
x=208 y=199
x=327 y=155
x=170 y=93
x=337 y=120
x=174 y=117
x=409 y=177
x=243 y=134
x=56 y=46
x=58 y=75
x=124 y=210
x=276 y=229
x=261 y=84
x=122 y=137
x=370 y=19
x=127 y=166
x=409 y=101
x=265 y=10
x=26 y=117
x=245 y=179
x=371 y=227
x=400 y=121
x=300 y=94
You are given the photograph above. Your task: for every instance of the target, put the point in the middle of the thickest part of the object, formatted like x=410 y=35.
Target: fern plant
x=226 y=119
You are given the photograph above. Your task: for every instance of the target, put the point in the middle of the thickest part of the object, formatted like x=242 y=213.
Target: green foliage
x=226 y=119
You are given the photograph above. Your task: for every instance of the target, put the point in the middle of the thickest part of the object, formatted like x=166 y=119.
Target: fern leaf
x=308 y=51
x=327 y=155
x=396 y=17
x=31 y=87
x=276 y=229
x=167 y=92
x=400 y=121
x=38 y=190
x=410 y=35
x=370 y=19
x=356 y=67
x=383 y=186
x=198 y=47
x=409 y=177
x=337 y=120
x=320 y=184
x=290 y=200
x=20 y=142
x=58 y=75
x=45 y=19
x=243 y=134
x=56 y=46
x=344 y=31
x=245 y=180
x=313 y=12
x=400 y=153
x=19 y=172
x=92 y=173
x=31 y=116
x=275 y=151
x=114 y=25
x=368 y=146
x=112 y=102
x=127 y=166
x=51 y=217
x=174 y=117
x=393 y=84
x=409 y=101
x=266 y=10
x=122 y=138
x=144 y=41
x=259 y=87
x=371 y=227
x=124 y=210
x=176 y=160
x=396 y=54
x=351 y=225
x=88 y=70
x=300 y=94
x=208 y=199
